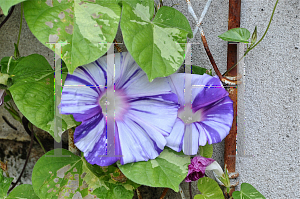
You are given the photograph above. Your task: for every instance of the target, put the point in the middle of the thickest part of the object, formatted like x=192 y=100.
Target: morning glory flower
x=198 y=167
x=144 y=113
x=208 y=118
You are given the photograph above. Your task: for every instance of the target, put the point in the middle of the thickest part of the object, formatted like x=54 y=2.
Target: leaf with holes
x=209 y=189
x=33 y=93
x=86 y=25
x=4 y=184
x=61 y=174
x=7 y=4
x=156 y=45
x=236 y=35
x=247 y=192
x=167 y=170
x=24 y=191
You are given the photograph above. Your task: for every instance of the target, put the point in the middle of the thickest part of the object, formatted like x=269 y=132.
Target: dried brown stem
x=213 y=63
x=164 y=193
x=138 y=193
x=117 y=46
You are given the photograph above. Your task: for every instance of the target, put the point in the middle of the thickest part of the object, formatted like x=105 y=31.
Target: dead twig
x=138 y=193
x=164 y=193
x=117 y=46
x=213 y=63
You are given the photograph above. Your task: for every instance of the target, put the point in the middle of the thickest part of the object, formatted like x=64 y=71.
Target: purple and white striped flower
x=144 y=112
x=208 y=118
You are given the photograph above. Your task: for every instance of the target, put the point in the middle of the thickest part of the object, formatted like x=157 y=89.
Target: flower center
x=114 y=103
x=187 y=116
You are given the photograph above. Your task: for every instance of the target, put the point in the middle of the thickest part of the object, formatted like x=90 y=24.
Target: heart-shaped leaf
x=167 y=170
x=6 y=4
x=86 y=25
x=209 y=189
x=157 y=45
x=236 y=35
x=206 y=151
x=247 y=192
x=33 y=93
x=66 y=175
x=24 y=191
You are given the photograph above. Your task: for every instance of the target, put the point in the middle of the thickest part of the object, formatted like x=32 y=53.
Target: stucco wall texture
x=268 y=98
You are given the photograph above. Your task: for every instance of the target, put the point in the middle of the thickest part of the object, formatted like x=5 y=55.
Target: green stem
x=249 y=49
x=8 y=64
x=266 y=29
x=7 y=174
x=20 y=25
x=39 y=141
x=30 y=125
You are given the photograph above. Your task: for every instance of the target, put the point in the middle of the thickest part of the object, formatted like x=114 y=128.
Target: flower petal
x=217 y=120
x=136 y=144
x=210 y=90
x=81 y=91
x=82 y=102
x=205 y=89
x=191 y=139
x=90 y=138
x=197 y=168
x=216 y=168
x=175 y=139
x=176 y=82
x=156 y=111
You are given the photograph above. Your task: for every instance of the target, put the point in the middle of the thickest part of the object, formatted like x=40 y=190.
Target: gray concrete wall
x=268 y=102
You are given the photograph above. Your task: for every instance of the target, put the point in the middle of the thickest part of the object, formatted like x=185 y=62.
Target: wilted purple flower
x=197 y=168
x=209 y=118
x=2 y=94
x=144 y=112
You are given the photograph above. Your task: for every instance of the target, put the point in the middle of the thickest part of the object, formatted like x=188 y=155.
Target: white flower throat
x=114 y=103
x=187 y=116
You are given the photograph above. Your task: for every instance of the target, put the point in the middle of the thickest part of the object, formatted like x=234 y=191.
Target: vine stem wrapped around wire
x=198 y=26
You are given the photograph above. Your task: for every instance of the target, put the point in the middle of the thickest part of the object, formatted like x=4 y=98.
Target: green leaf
x=68 y=176
x=156 y=45
x=167 y=170
x=7 y=98
x=206 y=151
x=236 y=35
x=24 y=191
x=198 y=70
x=3 y=78
x=209 y=189
x=6 y=4
x=4 y=184
x=198 y=196
x=86 y=25
x=33 y=93
x=247 y=192
x=4 y=64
